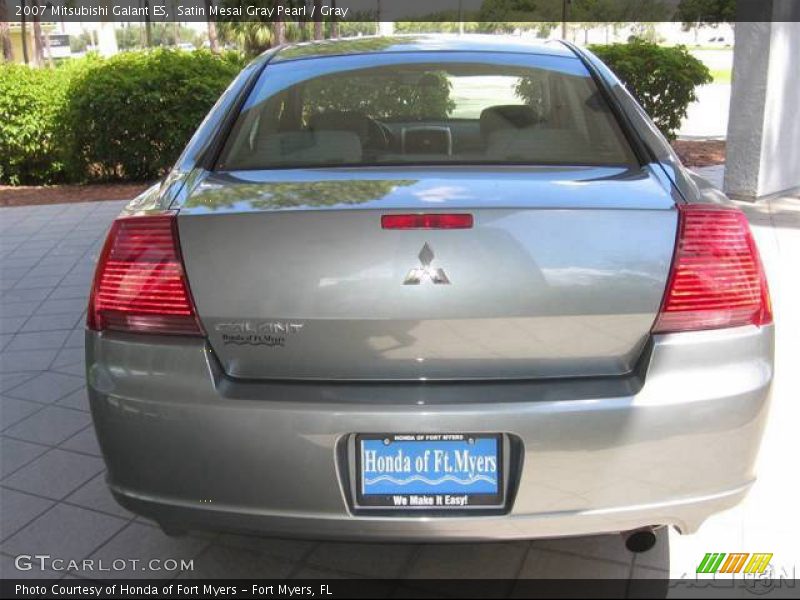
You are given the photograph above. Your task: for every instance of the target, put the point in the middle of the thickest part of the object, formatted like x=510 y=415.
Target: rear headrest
x=508 y=116
x=323 y=147
x=536 y=145
x=340 y=120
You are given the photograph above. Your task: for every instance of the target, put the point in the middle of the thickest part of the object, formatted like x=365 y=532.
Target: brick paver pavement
x=54 y=499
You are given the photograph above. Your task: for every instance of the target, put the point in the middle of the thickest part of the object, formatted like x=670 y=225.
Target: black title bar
x=157 y=11
x=322 y=589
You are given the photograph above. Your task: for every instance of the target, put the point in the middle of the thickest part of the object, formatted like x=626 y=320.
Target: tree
x=504 y=16
x=587 y=13
x=128 y=37
x=24 y=31
x=318 y=19
x=444 y=22
x=148 y=26
x=361 y=24
x=279 y=28
x=289 y=195
x=498 y=12
x=175 y=24
x=334 y=21
x=162 y=34
x=706 y=12
x=662 y=79
x=38 y=39
x=5 y=36
x=213 y=40
x=257 y=35
x=394 y=98
x=253 y=37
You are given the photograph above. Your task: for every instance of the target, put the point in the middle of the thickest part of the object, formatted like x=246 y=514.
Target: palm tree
x=23 y=26
x=176 y=27
x=318 y=20
x=148 y=26
x=213 y=40
x=258 y=35
x=38 y=38
x=334 y=21
x=252 y=36
x=279 y=27
x=5 y=36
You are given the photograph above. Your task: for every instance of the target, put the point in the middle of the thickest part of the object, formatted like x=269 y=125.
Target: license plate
x=429 y=471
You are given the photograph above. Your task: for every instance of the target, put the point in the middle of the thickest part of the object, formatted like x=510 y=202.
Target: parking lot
x=54 y=499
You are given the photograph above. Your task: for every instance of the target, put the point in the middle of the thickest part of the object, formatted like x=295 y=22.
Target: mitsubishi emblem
x=425 y=270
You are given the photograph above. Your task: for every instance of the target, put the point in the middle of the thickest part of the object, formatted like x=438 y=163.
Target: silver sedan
x=429 y=288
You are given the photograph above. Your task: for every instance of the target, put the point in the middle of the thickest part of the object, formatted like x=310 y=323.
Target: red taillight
x=427 y=221
x=717 y=279
x=140 y=285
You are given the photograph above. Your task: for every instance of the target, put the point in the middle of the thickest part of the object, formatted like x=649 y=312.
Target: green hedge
x=125 y=118
x=663 y=79
x=31 y=102
x=128 y=117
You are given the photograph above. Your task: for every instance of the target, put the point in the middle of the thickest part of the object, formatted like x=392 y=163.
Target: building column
x=763 y=147
x=106 y=38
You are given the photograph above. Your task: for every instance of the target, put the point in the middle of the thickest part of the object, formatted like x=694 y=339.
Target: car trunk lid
x=561 y=274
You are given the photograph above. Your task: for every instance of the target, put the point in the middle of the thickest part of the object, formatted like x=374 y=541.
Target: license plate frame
x=444 y=499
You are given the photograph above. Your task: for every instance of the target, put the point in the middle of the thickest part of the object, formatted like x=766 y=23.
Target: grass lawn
x=473 y=94
x=721 y=75
x=706 y=48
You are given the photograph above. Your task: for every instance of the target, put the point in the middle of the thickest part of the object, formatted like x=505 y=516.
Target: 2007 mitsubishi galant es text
x=429 y=288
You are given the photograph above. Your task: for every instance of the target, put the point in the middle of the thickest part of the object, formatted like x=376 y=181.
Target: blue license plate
x=434 y=471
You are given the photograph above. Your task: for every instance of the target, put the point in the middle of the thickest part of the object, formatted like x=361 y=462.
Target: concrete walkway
x=767 y=519
x=54 y=499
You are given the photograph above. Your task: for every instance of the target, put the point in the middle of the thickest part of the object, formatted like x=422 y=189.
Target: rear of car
x=437 y=290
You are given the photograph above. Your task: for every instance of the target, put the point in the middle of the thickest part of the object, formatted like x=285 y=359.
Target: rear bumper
x=190 y=448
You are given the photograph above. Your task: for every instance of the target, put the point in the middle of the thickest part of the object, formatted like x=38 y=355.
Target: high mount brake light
x=427 y=221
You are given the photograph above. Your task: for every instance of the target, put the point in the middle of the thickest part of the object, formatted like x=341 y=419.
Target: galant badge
x=435 y=274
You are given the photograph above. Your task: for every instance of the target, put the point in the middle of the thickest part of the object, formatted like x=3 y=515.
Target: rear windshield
x=414 y=110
